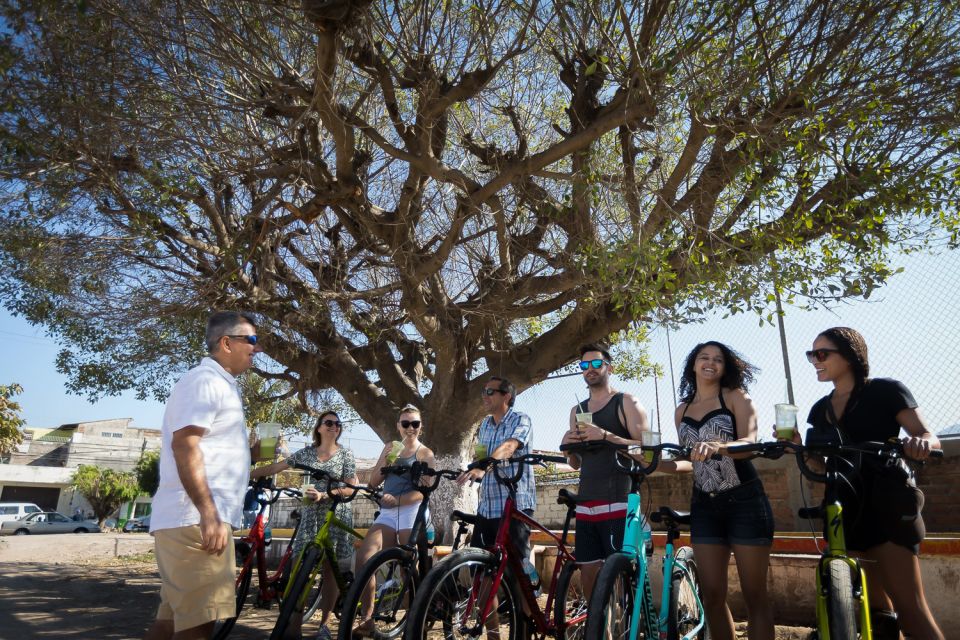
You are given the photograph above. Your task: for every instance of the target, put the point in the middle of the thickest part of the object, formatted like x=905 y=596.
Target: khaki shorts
x=195 y=587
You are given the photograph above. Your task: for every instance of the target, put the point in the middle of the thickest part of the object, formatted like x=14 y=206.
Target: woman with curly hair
x=883 y=525
x=729 y=510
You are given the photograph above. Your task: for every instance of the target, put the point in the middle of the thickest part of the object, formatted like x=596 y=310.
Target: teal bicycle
x=622 y=602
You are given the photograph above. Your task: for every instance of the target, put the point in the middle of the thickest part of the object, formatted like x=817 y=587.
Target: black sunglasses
x=250 y=339
x=819 y=355
x=596 y=364
x=490 y=392
x=332 y=423
x=408 y=424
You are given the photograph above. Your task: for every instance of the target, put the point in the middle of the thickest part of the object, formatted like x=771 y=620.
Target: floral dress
x=340 y=465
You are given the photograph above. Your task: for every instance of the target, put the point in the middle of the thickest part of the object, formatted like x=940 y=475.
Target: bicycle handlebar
x=522 y=461
x=333 y=482
x=267 y=483
x=891 y=450
x=419 y=469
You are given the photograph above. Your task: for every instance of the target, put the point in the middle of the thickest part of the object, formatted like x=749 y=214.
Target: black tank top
x=598 y=480
x=718 y=425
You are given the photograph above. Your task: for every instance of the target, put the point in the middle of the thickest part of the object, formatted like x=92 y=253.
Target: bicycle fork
x=837 y=550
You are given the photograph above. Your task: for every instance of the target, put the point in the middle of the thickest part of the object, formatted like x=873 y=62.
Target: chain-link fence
x=910 y=326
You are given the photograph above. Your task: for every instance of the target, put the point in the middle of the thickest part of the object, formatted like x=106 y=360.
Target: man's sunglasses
x=410 y=424
x=596 y=364
x=250 y=339
x=819 y=355
x=490 y=392
x=332 y=423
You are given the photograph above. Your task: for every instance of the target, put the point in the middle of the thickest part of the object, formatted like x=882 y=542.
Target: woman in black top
x=729 y=510
x=884 y=524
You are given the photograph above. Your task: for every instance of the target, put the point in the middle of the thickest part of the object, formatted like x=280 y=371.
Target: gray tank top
x=398 y=485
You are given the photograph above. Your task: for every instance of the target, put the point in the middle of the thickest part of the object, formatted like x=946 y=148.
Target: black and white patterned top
x=718 y=425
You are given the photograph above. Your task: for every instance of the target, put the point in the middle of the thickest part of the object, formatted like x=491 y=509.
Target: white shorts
x=400 y=518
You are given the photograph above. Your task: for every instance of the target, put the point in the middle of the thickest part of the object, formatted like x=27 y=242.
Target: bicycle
x=252 y=549
x=621 y=605
x=396 y=572
x=842 y=609
x=475 y=589
x=306 y=575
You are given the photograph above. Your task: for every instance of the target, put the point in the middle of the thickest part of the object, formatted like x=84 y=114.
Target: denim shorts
x=741 y=515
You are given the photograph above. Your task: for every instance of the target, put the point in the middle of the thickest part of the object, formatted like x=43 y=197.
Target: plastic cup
x=649 y=439
x=395 y=449
x=268 y=433
x=306 y=484
x=479 y=451
x=786 y=420
x=586 y=417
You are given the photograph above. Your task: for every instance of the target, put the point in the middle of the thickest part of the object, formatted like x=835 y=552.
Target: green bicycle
x=307 y=569
x=843 y=611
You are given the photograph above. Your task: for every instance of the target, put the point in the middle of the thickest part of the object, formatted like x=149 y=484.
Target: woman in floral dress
x=325 y=453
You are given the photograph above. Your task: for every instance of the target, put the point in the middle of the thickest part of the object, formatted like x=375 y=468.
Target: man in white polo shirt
x=204 y=471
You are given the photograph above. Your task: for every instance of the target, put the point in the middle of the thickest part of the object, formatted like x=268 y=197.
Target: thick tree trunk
x=449 y=495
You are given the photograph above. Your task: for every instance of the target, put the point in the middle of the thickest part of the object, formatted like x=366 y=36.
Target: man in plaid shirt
x=505 y=433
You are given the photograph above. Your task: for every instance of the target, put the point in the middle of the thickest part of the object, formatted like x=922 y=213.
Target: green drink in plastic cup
x=268 y=433
x=306 y=484
x=786 y=420
x=395 y=449
x=479 y=451
x=650 y=439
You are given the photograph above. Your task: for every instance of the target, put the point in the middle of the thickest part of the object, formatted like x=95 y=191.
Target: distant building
x=951 y=432
x=39 y=469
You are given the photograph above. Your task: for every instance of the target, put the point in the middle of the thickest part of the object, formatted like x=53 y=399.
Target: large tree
x=10 y=419
x=105 y=489
x=413 y=196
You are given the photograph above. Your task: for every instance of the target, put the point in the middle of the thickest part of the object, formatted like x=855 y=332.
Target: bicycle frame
x=266 y=584
x=324 y=542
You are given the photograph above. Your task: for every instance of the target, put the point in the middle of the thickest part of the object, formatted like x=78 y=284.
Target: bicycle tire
x=390 y=594
x=684 y=613
x=305 y=573
x=222 y=628
x=445 y=593
x=841 y=609
x=570 y=604
x=611 y=604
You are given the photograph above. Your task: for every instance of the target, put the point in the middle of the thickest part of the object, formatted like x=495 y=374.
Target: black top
x=598 y=479
x=719 y=425
x=870 y=414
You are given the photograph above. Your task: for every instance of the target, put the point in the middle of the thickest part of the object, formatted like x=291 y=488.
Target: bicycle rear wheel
x=309 y=568
x=450 y=602
x=686 y=612
x=841 y=608
x=395 y=579
x=570 y=605
x=611 y=605
x=222 y=628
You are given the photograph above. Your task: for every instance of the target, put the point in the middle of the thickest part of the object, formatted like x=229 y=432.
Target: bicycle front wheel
x=308 y=570
x=686 y=612
x=392 y=578
x=222 y=628
x=313 y=600
x=570 y=605
x=611 y=606
x=841 y=609
x=452 y=599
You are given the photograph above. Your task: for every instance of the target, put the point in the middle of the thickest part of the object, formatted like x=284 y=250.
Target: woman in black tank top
x=729 y=510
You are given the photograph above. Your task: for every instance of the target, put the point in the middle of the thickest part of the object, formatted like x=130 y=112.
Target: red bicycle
x=252 y=549
x=476 y=590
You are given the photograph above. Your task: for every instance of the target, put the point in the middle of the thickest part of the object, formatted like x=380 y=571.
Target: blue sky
x=910 y=325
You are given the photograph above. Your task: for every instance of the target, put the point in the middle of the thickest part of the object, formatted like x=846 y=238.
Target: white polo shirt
x=208 y=397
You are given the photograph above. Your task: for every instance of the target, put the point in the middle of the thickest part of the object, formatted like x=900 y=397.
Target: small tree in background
x=147 y=471
x=10 y=420
x=105 y=489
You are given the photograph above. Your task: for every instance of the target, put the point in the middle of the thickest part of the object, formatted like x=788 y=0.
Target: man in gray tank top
x=602 y=506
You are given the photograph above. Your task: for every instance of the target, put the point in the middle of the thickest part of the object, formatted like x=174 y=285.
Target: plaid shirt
x=493 y=495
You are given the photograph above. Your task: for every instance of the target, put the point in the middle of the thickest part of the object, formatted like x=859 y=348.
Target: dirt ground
x=117 y=598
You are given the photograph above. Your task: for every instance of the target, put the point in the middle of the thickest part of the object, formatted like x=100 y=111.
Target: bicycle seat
x=567 y=498
x=810 y=513
x=469 y=518
x=668 y=515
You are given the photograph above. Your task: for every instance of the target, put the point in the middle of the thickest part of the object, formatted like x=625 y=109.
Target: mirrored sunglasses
x=596 y=364
x=250 y=339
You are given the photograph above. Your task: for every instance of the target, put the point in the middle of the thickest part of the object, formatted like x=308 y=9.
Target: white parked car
x=47 y=522
x=16 y=510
